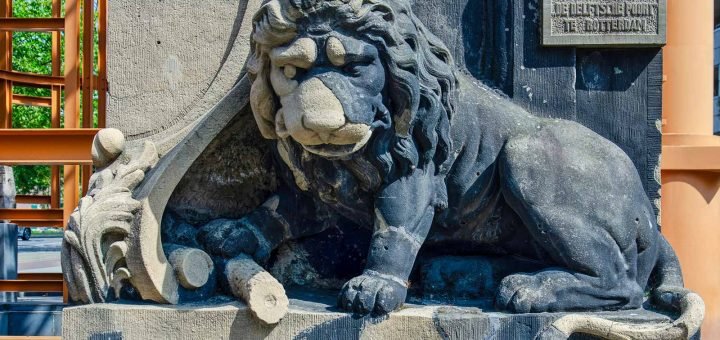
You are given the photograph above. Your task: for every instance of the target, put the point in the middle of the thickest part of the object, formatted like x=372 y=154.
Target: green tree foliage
x=32 y=52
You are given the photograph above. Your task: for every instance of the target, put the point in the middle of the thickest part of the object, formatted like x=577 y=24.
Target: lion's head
x=334 y=77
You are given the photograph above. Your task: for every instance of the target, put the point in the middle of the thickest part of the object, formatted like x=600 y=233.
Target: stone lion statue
x=372 y=120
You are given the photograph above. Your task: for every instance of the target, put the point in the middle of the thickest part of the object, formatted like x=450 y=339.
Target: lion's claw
x=368 y=293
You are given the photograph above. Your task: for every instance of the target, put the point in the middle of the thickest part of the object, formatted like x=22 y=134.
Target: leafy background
x=32 y=52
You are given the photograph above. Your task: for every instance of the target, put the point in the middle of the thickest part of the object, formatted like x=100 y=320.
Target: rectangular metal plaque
x=606 y=23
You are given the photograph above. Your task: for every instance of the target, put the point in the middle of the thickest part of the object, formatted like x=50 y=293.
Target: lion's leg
x=404 y=215
x=563 y=209
x=593 y=273
x=281 y=218
x=567 y=289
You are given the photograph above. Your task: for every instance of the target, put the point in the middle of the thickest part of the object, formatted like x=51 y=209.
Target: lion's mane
x=421 y=83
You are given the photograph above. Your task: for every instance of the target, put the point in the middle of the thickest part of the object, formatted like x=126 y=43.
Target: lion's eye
x=292 y=71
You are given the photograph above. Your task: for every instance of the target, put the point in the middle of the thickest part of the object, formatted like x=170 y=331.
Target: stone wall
x=169 y=62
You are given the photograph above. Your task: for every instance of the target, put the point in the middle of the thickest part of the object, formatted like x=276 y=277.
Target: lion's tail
x=669 y=294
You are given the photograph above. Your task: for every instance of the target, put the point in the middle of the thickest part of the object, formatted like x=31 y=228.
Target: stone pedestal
x=311 y=316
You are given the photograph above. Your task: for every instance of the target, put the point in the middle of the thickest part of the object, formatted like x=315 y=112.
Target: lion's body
x=373 y=121
x=501 y=151
x=547 y=190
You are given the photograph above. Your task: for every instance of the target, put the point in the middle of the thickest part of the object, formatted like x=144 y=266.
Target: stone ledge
x=313 y=317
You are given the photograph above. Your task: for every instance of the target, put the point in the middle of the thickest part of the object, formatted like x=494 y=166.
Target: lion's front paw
x=375 y=294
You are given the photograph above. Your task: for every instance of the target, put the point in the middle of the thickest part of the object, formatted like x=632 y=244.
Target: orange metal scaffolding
x=63 y=145
x=691 y=154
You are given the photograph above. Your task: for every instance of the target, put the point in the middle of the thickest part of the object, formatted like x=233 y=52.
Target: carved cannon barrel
x=192 y=266
x=261 y=291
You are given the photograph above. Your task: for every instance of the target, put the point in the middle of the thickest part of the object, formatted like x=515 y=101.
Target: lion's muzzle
x=313 y=115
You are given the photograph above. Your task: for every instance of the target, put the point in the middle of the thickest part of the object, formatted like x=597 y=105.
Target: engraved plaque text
x=604 y=22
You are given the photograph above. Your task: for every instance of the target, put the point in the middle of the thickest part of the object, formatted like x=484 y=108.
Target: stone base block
x=312 y=317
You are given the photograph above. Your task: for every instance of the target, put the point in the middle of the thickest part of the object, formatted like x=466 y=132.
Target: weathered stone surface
x=311 y=317
x=233 y=176
x=169 y=63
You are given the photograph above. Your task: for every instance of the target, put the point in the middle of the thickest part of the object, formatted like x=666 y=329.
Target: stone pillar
x=691 y=155
x=7 y=187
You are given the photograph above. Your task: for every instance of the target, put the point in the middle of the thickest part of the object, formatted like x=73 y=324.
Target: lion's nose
x=319 y=107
